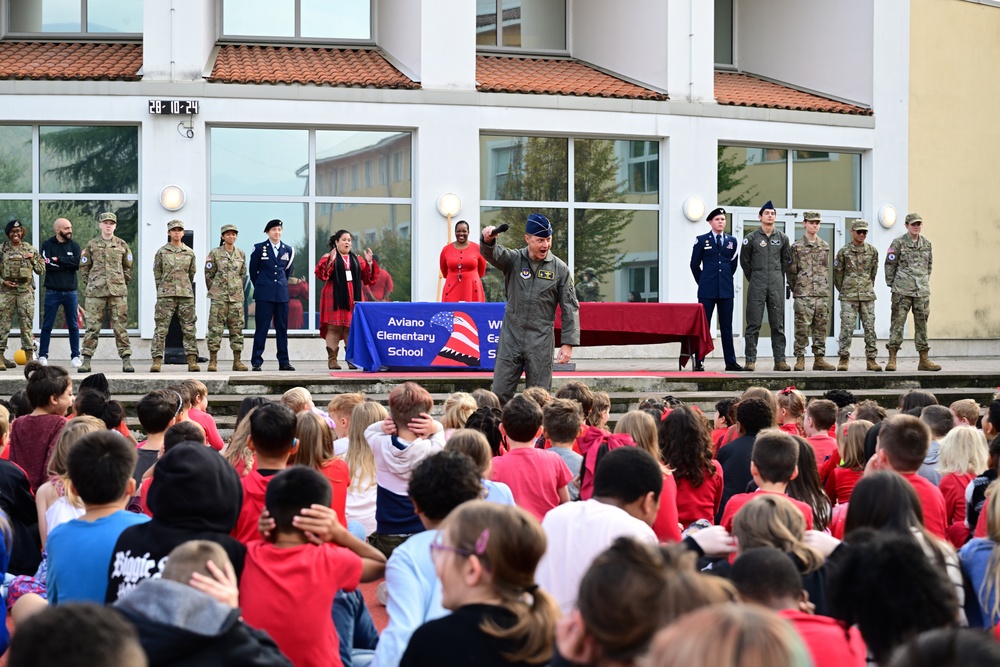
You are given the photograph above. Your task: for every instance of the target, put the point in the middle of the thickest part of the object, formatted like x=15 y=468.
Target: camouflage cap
x=589 y=270
x=913 y=217
x=859 y=225
x=810 y=215
x=229 y=228
x=107 y=216
x=175 y=224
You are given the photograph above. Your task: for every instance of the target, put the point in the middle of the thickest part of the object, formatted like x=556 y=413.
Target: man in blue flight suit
x=270 y=266
x=713 y=263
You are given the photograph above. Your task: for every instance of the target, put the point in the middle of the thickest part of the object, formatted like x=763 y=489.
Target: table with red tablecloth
x=463 y=336
x=645 y=324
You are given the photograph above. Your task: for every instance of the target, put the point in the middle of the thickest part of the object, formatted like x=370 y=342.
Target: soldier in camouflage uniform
x=764 y=258
x=174 y=266
x=17 y=293
x=908 y=274
x=854 y=273
x=225 y=273
x=588 y=289
x=808 y=281
x=106 y=271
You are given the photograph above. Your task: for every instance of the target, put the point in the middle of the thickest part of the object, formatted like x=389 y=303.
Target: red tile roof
x=241 y=63
x=70 y=61
x=745 y=90
x=547 y=76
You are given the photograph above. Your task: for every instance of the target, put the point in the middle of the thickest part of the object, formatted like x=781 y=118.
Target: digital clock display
x=173 y=107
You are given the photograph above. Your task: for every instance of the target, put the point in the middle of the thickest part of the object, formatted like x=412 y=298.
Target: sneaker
x=44 y=361
x=75 y=362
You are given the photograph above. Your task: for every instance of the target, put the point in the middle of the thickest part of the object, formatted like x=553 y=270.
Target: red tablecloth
x=644 y=323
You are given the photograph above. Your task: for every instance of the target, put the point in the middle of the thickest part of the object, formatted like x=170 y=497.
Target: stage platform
x=628 y=381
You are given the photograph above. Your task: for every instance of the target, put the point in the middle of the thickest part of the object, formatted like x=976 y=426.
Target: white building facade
x=614 y=119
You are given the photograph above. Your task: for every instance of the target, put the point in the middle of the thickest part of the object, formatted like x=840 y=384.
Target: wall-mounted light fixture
x=694 y=209
x=172 y=197
x=887 y=216
x=449 y=204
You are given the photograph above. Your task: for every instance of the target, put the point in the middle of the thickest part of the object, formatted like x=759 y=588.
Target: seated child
x=340 y=409
x=76 y=635
x=767 y=577
x=791 y=407
x=100 y=474
x=401 y=442
x=191 y=615
x=299 y=400
x=196 y=495
x=289 y=582
x=821 y=416
x=474 y=445
x=188 y=431
x=272 y=440
x=18 y=504
x=314 y=449
x=538 y=478
x=199 y=414
x=563 y=422
x=157 y=411
x=33 y=436
x=438 y=485
x=362 y=494
x=773 y=464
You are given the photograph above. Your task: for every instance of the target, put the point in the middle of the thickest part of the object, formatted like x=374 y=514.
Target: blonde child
x=315 y=450
x=198 y=413
x=791 y=409
x=474 y=445
x=963 y=457
x=363 y=491
x=340 y=410
x=851 y=466
x=457 y=409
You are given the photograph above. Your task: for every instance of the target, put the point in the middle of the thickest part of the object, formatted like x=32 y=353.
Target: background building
x=611 y=118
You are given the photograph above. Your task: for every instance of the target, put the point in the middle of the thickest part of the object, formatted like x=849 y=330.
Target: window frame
x=499 y=49
x=733 y=66
x=297 y=38
x=83 y=35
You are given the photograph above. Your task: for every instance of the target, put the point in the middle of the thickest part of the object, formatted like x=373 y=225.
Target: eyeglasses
x=438 y=546
x=861 y=232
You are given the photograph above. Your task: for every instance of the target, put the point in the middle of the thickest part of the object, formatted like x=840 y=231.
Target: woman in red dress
x=344 y=273
x=463 y=268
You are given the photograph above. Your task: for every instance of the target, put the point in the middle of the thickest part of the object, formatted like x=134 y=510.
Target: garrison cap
x=859 y=225
x=766 y=206
x=107 y=216
x=810 y=215
x=538 y=225
x=913 y=217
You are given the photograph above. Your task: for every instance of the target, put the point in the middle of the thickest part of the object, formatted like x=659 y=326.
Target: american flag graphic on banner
x=462 y=347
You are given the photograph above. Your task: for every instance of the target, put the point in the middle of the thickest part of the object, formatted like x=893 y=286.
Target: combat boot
x=845 y=363
x=213 y=361
x=157 y=365
x=3 y=362
x=800 y=363
x=872 y=365
x=820 y=364
x=85 y=366
x=193 y=366
x=926 y=364
x=891 y=364
x=127 y=364
x=750 y=366
x=781 y=365
x=237 y=364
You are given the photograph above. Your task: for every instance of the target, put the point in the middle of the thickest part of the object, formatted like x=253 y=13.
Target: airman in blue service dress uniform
x=270 y=266
x=714 y=259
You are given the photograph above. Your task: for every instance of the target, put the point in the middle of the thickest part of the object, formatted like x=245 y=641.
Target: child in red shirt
x=767 y=577
x=791 y=407
x=272 y=439
x=199 y=414
x=314 y=449
x=538 y=478
x=851 y=466
x=685 y=449
x=289 y=581
x=821 y=415
x=773 y=464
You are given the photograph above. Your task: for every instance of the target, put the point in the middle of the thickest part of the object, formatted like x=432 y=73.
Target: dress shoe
x=699 y=367
x=735 y=368
x=256 y=368
x=286 y=367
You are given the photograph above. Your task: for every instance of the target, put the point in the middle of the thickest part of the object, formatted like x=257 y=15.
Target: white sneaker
x=44 y=361
x=75 y=362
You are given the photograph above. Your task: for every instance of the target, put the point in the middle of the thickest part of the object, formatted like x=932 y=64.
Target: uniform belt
x=53 y=289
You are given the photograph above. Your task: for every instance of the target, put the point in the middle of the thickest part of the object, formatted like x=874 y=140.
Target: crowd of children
x=781 y=531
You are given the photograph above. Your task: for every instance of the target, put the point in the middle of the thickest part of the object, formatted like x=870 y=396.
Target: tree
x=731 y=178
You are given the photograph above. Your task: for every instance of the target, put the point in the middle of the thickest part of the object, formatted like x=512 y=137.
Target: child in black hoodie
x=195 y=495
x=190 y=616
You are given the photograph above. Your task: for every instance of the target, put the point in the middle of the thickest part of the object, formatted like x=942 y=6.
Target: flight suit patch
x=546 y=275
x=525 y=273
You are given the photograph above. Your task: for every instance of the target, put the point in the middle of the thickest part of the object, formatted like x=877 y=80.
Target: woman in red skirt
x=344 y=273
x=462 y=267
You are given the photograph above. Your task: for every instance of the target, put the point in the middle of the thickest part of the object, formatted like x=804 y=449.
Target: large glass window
x=315 y=196
x=724 y=32
x=533 y=25
x=608 y=221
x=80 y=172
x=75 y=16
x=811 y=179
x=339 y=20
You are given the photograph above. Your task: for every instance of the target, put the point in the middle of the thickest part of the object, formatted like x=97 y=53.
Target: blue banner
x=402 y=336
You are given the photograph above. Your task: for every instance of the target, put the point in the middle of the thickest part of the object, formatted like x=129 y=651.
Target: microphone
x=501 y=229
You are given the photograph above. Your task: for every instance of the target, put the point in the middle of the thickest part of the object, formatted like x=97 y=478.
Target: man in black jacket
x=62 y=260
